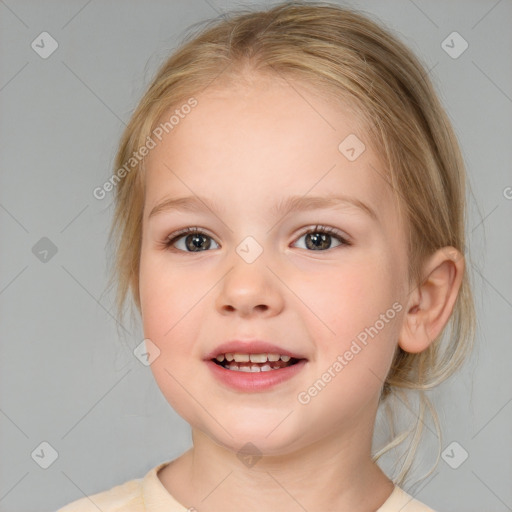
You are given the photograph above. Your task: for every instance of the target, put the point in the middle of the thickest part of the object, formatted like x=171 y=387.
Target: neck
x=334 y=473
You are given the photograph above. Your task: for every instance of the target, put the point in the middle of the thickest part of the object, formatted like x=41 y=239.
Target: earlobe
x=431 y=304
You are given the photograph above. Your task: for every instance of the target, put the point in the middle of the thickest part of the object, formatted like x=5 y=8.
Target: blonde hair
x=353 y=60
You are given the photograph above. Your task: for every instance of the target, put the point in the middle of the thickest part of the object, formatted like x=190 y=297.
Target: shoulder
x=126 y=497
x=400 y=501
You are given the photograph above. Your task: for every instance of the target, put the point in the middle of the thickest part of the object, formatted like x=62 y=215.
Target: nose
x=250 y=289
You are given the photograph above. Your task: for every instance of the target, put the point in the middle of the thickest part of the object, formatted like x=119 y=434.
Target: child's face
x=248 y=150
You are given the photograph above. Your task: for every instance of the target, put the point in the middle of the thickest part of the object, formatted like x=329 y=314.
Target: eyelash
x=173 y=238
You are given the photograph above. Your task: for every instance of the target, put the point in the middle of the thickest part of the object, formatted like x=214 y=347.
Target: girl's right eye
x=194 y=240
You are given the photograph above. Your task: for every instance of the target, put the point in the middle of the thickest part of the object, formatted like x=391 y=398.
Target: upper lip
x=251 y=347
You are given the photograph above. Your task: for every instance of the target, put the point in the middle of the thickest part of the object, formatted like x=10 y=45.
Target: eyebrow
x=284 y=207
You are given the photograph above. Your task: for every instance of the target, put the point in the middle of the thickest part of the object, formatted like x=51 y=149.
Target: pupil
x=196 y=242
x=317 y=239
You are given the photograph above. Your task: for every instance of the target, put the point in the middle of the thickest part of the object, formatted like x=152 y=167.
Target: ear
x=431 y=303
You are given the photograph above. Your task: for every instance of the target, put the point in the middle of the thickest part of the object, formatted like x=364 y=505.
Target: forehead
x=264 y=139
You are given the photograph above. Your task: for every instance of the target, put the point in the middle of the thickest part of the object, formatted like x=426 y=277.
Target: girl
x=290 y=223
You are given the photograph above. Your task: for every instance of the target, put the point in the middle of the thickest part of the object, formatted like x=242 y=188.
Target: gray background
x=68 y=377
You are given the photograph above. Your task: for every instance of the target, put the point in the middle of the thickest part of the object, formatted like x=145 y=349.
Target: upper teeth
x=253 y=358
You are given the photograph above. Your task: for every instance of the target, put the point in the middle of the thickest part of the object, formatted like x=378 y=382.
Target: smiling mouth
x=254 y=362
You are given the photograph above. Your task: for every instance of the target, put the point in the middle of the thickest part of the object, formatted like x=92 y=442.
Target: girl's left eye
x=196 y=240
x=319 y=238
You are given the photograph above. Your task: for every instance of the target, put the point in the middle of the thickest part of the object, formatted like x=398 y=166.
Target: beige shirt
x=148 y=494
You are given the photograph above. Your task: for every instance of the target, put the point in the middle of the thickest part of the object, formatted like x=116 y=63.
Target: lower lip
x=254 y=381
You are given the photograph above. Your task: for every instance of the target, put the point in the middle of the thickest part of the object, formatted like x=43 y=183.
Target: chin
x=256 y=439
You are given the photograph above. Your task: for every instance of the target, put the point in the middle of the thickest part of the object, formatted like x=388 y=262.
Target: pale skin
x=248 y=148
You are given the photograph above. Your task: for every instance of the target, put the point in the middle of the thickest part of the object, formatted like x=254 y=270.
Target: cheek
x=176 y=303
x=351 y=298
x=164 y=306
x=360 y=326
x=167 y=295
x=359 y=310
x=168 y=299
